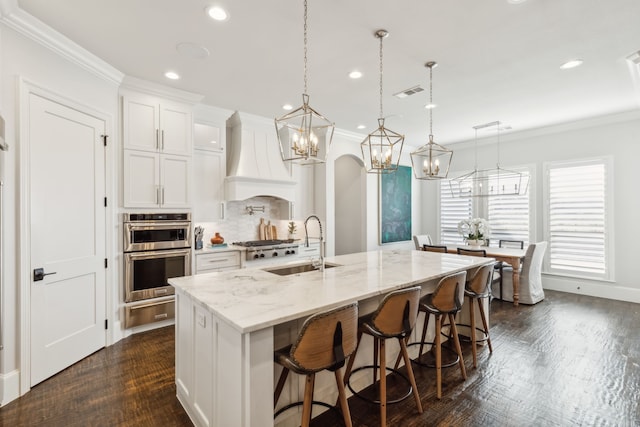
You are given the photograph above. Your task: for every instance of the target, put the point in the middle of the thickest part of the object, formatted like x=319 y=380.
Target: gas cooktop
x=258 y=243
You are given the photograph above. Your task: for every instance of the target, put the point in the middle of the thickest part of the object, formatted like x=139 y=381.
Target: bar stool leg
x=280 y=386
x=472 y=315
x=308 y=399
x=342 y=396
x=485 y=325
x=383 y=385
x=412 y=379
x=456 y=341
x=438 y=359
x=352 y=358
x=424 y=332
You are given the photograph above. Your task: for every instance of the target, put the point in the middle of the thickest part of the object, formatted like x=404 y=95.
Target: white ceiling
x=497 y=60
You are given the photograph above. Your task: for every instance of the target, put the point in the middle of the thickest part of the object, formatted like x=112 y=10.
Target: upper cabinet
x=157 y=155
x=153 y=124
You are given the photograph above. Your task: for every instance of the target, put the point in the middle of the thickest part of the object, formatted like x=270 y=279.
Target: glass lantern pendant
x=431 y=161
x=304 y=134
x=382 y=148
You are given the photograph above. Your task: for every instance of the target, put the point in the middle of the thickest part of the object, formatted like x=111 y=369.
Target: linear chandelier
x=382 y=148
x=489 y=182
x=304 y=134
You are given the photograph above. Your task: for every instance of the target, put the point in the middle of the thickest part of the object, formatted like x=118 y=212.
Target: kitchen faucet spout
x=320 y=263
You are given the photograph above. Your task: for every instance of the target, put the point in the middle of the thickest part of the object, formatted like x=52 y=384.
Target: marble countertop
x=253 y=299
x=207 y=249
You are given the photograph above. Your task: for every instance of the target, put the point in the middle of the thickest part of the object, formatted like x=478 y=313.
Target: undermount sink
x=296 y=269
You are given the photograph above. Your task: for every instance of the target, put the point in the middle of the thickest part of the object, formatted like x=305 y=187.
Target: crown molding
x=20 y=21
x=151 y=88
x=603 y=120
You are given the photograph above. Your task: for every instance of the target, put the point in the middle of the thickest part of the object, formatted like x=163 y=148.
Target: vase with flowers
x=475 y=231
x=291 y=228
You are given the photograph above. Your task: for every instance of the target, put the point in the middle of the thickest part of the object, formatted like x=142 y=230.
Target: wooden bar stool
x=476 y=289
x=395 y=317
x=446 y=301
x=325 y=341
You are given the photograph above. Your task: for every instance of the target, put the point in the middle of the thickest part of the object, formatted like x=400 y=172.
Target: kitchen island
x=229 y=323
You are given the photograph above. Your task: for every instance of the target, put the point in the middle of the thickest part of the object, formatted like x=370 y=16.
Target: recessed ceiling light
x=355 y=74
x=172 y=75
x=287 y=107
x=361 y=126
x=571 y=64
x=430 y=106
x=516 y=1
x=217 y=13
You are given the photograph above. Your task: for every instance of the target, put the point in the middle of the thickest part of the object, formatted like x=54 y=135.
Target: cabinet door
x=209 y=170
x=174 y=181
x=140 y=120
x=176 y=136
x=304 y=203
x=141 y=179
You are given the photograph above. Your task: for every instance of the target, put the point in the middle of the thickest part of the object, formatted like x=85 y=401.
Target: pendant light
x=431 y=161
x=381 y=149
x=490 y=182
x=304 y=134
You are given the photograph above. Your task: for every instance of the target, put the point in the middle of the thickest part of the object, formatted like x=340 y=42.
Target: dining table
x=511 y=256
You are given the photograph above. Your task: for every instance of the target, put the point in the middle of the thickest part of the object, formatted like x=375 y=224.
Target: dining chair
x=422 y=239
x=472 y=252
x=434 y=248
x=504 y=243
x=531 y=291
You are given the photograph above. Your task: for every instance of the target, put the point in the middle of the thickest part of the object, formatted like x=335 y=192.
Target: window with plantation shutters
x=577 y=222
x=452 y=211
x=508 y=216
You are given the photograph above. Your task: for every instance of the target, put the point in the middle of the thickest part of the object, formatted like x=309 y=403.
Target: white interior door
x=67 y=236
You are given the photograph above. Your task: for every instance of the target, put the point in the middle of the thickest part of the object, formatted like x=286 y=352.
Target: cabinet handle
x=161 y=316
x=212 y=261
x=162 y=194
x=157 y=194
x=157 y=139
x=221 y=210
x=162 y=145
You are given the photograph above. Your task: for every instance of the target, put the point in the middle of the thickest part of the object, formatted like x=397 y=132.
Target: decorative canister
x=217 y=239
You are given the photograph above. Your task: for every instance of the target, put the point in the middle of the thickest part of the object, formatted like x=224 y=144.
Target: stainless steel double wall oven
x=157 y=246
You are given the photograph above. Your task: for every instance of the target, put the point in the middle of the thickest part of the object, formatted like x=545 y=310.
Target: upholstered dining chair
x=531 y=291
x=422 y=239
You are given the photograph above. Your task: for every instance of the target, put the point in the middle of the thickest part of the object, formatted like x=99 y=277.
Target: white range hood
x=254 y=164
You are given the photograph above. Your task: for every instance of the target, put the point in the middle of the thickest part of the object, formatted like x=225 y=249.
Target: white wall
x=617 y=136
x=22 y=58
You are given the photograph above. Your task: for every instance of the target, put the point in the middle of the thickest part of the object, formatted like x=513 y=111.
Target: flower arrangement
x=474 y=229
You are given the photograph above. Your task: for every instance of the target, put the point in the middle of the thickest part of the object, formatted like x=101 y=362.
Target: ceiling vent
x=408 y=92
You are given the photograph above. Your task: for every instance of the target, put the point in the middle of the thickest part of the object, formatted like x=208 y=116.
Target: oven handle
x=157 y=254
x=143 y=226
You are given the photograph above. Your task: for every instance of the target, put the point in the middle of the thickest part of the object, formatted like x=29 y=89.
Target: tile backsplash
x=239 y=225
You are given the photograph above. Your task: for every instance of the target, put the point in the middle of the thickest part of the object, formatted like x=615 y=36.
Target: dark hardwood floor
x=569 y=360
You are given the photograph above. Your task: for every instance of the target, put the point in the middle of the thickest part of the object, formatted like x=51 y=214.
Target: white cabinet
x=217 y=261
x=209 y=170
x=157 y=141
x=152 y=124
x=156 y=180
x=303 y=206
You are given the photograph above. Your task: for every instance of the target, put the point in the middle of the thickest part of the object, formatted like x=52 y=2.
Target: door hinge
x=105 y=202
x=106 y=263
x=104 y=139
x=106 y=323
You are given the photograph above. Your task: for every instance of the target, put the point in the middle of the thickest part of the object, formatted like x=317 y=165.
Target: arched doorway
x=350 y=202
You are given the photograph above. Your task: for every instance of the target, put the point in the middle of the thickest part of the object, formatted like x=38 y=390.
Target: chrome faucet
x=316 y=263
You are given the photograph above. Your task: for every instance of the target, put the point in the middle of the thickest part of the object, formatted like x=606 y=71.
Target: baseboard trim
x=591 y=288
x=10 y=387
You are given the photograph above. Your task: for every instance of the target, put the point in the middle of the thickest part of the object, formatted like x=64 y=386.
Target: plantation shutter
x=452 y=211
x=508 y=217
x=577 y=219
